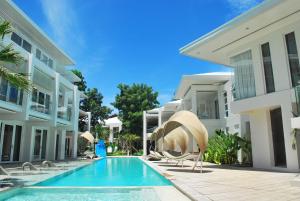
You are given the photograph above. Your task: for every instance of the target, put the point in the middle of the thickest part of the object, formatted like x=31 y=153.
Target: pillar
x=144 y=134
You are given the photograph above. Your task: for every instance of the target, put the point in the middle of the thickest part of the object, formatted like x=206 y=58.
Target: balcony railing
x=65 y=113
x=40 y=107
x=297 y=95
x=10 y=93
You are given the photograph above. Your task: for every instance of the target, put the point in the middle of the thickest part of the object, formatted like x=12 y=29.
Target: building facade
x=41 y=124
x=208 y=96
x=262 y=47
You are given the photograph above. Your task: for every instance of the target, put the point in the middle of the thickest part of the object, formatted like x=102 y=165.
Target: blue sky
x=132 y=41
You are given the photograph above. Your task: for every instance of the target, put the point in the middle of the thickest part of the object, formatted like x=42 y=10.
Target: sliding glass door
x=40 y=144
x=10 y=141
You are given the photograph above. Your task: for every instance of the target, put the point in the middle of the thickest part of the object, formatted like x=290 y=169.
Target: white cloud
x=240 y=6
x=63 y=21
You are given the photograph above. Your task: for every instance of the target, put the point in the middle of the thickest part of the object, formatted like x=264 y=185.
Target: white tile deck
x=225 y=183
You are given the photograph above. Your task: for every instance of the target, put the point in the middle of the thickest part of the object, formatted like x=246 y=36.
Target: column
x=144 y=134
x=51 y=144
x=75 y=139
x=62 y=142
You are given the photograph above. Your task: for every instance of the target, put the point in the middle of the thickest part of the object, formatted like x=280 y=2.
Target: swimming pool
x=69 y=194
x=116 y=179
x=110 y=172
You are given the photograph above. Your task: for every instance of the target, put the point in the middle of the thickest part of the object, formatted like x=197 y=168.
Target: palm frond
x=8 y=54
x=5 y=28
x=16 y=79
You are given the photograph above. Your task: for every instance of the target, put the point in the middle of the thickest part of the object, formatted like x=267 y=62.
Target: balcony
x=41 y=108
x=65 y=113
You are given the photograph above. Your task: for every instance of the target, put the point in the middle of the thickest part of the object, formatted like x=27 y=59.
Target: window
x=21 y=42
x=3 y=89
x=293 y=58
x=16 y=38
x=13 y=95
x=34 y=95
x=26 y=46
x=244 y=81
x=38 y=54
x=50 y=63
x=226 y=103
x=267 y=63
x=44 y=59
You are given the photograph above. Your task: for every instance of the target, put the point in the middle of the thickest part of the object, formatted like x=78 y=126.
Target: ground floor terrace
x=222 y=183
x=35 y=141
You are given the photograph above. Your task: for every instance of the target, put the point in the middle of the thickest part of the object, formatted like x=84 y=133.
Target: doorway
x=10 y=136
x=278 y=137
x=40 y=144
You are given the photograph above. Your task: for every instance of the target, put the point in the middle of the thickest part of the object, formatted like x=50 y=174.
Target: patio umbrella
x=87 y=135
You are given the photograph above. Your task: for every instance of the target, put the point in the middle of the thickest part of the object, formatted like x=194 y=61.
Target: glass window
x=13 y=94
x=3 y=89
x=27 y=46
x=293 y=58
x=226 y=103
x=34 y=95
x=16 y=38
x=21 y=97
x=267 y=62
x=50 y=63
x=244 y=81
x=38 y=54
x=44 y=59
x=47 y=103
x=41 y=98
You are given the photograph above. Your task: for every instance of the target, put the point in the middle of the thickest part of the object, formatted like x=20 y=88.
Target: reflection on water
x=111 y=172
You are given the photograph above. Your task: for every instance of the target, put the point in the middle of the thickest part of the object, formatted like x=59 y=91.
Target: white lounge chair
x=184 y=157
x=157 y=154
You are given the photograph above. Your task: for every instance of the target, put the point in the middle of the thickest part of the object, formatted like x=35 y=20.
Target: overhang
x=215 y=78
x=216 y=45
x=19 y=19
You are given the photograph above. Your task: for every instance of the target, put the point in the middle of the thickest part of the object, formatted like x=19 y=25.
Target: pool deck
x=224 y=183
x=30 y=177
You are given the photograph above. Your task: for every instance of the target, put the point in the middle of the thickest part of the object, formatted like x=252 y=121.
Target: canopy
x=191 y=123
x=177 y=136
x=87 y=135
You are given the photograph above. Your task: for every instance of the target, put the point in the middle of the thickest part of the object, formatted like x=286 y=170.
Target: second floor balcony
x=65 y=113
x=41 y=102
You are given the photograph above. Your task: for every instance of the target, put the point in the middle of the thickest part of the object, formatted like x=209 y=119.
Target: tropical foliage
x=101 y=132
x=131 y=102
x=128 y=140
x=9 y=55
x=223 y=148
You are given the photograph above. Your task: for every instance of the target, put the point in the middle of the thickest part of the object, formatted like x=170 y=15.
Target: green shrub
x=223 y=148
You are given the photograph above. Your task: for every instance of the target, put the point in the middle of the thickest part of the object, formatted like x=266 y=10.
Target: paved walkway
x=229 y=183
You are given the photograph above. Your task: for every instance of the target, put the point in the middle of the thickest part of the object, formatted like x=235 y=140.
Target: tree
x=131 y=102
x=9 y=55
x=82 y=84
x=93 y=103
x=102 y=132
x=129 y=140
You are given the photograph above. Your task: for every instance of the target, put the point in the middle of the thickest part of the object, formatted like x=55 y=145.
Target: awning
x=87 y=135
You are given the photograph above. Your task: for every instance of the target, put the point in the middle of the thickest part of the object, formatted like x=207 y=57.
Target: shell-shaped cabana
x=191 y=124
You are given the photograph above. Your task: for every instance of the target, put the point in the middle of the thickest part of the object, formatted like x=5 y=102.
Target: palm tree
x=129 y=140
x=9 y=55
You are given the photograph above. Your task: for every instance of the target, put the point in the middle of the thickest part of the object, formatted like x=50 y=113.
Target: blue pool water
x=135 y=194
x=110 y=172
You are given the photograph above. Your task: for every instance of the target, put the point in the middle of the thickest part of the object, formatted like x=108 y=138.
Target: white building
x=114 y=125
x=42 y=124
x=262 y=46
x=208 y=96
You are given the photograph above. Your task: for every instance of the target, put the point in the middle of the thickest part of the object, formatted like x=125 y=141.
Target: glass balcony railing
x=65 y=113
x=38 y=107
x=10 y=93
x=297 y=95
